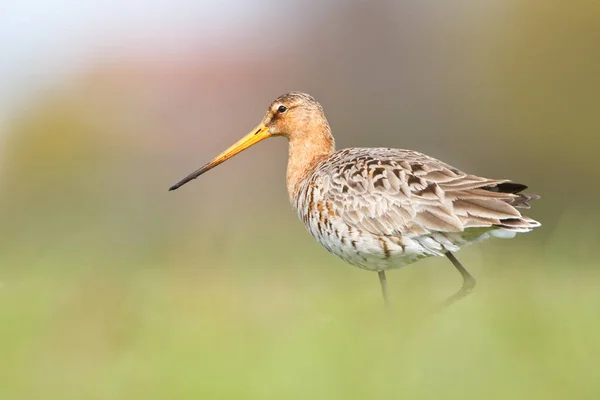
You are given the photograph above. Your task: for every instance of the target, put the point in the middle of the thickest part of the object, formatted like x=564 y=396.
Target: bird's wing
x=401 y=192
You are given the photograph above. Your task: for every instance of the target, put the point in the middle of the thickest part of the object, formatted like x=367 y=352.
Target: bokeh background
x=113 y=288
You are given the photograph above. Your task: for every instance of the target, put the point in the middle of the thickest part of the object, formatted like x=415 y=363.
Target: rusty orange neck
x=307 y=148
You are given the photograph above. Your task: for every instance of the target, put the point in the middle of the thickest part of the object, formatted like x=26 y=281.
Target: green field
x=314 y=329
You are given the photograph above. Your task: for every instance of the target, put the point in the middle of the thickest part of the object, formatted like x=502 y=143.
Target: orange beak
x=258 y=134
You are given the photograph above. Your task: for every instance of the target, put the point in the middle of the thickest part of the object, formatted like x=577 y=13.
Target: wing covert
x=393 y=192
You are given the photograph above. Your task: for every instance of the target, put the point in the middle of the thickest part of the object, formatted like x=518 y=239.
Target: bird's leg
x=384 y=288
x=468 y=281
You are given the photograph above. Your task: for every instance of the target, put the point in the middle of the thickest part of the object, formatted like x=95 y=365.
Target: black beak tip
x=173 y=188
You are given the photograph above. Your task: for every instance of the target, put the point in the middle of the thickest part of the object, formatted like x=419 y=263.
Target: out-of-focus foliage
x=113 y=288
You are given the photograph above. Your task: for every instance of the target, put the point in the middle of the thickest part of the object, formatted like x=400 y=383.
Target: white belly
x=377 y=253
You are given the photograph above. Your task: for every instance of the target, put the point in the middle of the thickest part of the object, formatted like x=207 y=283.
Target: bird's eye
x=282 y=109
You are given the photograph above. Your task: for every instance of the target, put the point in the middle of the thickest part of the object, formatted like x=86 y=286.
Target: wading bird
x=382 y=208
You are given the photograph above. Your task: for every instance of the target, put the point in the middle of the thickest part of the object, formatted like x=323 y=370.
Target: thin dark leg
x=384 y=288
x=468 y=281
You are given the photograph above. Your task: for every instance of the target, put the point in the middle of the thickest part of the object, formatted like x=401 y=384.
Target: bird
x=382 y=208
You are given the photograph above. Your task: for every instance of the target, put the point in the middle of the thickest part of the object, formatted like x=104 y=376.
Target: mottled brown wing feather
x=401 y=192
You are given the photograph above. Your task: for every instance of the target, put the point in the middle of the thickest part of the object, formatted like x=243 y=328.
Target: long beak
x=259 y=133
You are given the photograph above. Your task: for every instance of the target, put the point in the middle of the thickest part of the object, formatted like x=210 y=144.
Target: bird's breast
x=324 y=221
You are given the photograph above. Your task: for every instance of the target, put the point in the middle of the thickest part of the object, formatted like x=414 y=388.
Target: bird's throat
x=306 y=151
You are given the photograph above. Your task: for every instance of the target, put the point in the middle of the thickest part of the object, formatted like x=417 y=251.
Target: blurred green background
x=113 y=288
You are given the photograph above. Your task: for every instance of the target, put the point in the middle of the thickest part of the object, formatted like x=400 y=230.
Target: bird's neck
x=306 y=150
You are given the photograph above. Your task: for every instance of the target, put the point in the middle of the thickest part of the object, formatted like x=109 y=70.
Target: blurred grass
x=530 y=331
